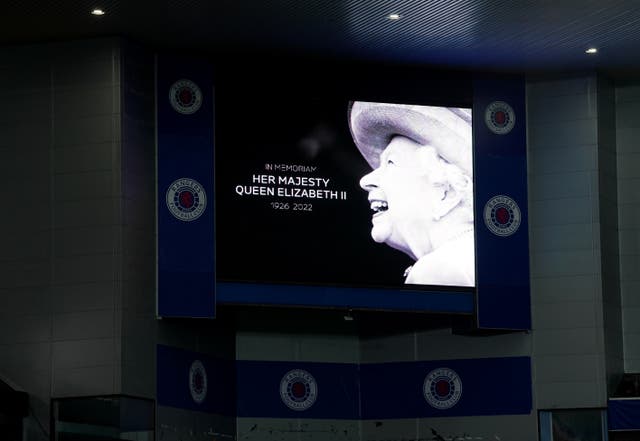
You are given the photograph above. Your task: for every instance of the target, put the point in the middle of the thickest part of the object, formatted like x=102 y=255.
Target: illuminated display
x=354 y=194
x=372 y=195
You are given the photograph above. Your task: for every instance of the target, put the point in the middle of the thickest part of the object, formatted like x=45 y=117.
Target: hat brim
x=374 y=125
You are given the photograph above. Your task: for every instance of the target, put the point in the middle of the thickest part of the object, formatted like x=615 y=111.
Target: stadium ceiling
x=518 y=35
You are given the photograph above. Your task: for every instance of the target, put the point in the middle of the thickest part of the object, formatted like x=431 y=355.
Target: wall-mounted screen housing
x=372 y=190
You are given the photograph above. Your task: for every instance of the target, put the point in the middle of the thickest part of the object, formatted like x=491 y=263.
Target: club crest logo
x=186 y=199
x=198 y=381
x=499 y=117
x=502 y=215
x=185 y=97
x=298 y=390
x=442 y=388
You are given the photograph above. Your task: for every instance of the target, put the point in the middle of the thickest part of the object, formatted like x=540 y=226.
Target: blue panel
x=449 y=301
x=259 y=390
x=500 y=164
x=498 y=386
x=186 y=265
x=624 y=414
x=173 y=367
x=546 y=431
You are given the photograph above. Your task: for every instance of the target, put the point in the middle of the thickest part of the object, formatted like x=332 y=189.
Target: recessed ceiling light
x=394 y=16
x=97 y=12
x=591 y=50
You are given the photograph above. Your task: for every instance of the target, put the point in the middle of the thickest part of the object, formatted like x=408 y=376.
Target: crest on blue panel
x=186 y=199
x=499 y=117
x=442 y=388
x=185 y=97
x=502 y=215
x=198 y=381
x=298 y=389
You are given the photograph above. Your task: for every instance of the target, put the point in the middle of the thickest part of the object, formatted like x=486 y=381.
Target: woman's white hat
x=373 y=125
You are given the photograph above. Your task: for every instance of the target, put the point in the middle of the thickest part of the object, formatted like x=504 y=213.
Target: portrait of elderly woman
x=420 y=189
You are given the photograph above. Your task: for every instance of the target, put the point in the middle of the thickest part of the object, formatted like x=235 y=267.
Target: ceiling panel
x=496 y=34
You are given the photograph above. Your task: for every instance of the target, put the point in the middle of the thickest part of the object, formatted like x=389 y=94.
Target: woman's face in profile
x=402 y=196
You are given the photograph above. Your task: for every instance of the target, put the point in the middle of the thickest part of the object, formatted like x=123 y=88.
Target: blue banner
x=185 y=192
x=498 y=386
x=502 y=230
x=624 y=414
x=274 y=389
x=310 y=390
x=196 y=381
x=433 y=389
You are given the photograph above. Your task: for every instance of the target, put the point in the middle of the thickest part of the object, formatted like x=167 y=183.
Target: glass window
x=573 y=425
x=103 y=418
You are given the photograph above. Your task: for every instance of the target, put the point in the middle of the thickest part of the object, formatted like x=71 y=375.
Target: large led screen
x=376 y=192
x=345 y=193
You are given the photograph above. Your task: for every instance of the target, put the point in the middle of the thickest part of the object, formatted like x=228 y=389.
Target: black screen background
x=263 y=120
x=330 y=245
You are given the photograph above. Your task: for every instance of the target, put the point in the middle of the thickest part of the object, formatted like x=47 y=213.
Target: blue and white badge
x=499 y=117
x=298 y=389
x=198 y=381
x=185 y=97
x=186 y=199
x=502 y=215
x=442 y=388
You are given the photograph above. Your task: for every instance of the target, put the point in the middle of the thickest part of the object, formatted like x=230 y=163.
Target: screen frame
x=186 y=278
x=442 y=299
